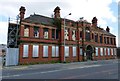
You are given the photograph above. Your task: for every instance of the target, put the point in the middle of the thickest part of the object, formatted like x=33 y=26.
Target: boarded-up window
x=25 y=50
x=66 y=51
x=35 y=50
x=45 y=51
x=26 y=31
x=74 y=51
x=55 y=51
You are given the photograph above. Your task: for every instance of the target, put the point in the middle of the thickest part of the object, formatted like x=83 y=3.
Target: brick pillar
x=49 y=52
x=30 y=51
x=41 y=32
x=31 y=32
x=22 y=30
x=61 y=53
x=77 y=47
x=61 y=47
x=71 y=53
x=50 y=33
x=103 y=39
x=40 y=52
x=70 y=34
x=98 y=38
x=20 y=53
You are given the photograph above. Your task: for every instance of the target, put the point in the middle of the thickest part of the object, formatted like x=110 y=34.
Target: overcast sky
x=105 y=10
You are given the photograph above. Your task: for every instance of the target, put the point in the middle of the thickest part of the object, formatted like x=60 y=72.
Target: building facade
x=43 y=39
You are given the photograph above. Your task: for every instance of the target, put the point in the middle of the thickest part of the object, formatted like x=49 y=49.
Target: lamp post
x=64 y=36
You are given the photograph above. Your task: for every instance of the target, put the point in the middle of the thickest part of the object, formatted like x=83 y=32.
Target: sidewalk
x=60 y=65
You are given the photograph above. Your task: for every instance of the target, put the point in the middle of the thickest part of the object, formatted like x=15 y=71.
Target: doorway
x=89 y=51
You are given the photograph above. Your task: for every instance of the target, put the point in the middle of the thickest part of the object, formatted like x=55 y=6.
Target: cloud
x=3 y=32
x=79 y=8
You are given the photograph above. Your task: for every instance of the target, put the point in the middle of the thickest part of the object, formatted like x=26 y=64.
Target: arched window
x=87 y=34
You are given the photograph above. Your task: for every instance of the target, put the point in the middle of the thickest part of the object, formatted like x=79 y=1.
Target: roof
x=49 y=21
x=107 y=33
x=39 y=19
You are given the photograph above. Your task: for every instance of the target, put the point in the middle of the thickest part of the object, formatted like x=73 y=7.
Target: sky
x=106 y=12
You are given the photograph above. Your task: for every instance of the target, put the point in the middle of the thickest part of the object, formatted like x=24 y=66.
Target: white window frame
x=66 y=51
x=74 y=51
x=25 y=50
x=35 y=51
x=45 y=51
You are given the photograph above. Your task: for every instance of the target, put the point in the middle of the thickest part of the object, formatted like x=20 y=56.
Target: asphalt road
x=107 y=69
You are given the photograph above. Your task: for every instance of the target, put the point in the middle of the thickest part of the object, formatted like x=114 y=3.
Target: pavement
x=60 y=65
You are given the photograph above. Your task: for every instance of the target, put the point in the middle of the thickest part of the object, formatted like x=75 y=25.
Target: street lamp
x=64 y=36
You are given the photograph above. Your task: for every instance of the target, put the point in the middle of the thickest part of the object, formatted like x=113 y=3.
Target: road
x=106 y=69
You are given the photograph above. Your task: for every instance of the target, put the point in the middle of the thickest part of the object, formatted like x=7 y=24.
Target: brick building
x=41 y=39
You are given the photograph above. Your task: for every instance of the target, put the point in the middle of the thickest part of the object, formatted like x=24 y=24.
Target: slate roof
x=39 y=19
x=49 y=21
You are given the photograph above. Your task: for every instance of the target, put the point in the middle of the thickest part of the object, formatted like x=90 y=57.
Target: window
x=108 y=51
x=25 y=50
x=46 y=33
x=53 y=33
x=87 y=34
x=55 y=51
x=36 y=32
x=74 y=51
x=26 y=31
x=92 y=35
x=81 y=51
x=101 y=38
x=80 y=35
x=101 y=51
x=66 y=51
x=104 y=51
x=35 y=50
x=114 y=41
x=45 y=51
x=57 y=33
x=73 y=35
x=96 y=37
x=96 y=51
x=111 y=41
x=66 y=34
x=107 y=40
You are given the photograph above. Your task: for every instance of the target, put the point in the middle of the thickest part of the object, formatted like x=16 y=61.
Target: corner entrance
x=89 y=51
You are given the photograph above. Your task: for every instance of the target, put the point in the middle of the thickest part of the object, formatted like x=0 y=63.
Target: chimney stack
x=22 y=12
x=94 y=22
x=57 y=12
x=108 y=29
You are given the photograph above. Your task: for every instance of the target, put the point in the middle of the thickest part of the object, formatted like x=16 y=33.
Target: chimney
x=108 y=29
x=94 y=22
x=57 y=12
x=22 y=12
